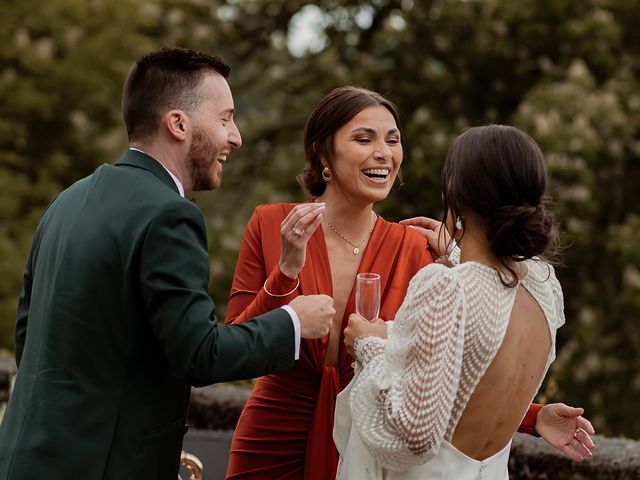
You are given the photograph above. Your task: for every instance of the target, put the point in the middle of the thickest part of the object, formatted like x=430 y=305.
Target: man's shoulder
x=138 y=191
x=137 y=182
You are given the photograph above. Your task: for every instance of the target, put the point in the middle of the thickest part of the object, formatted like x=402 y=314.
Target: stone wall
x=214 y=411
x=219 y=406
x=614 y=459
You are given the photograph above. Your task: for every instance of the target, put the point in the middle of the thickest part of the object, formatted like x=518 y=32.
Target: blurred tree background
x=564 y=71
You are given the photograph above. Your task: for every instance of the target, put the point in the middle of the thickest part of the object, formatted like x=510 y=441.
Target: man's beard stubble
x=201 y=160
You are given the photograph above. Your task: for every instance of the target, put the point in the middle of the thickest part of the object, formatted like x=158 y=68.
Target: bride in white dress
x=443 y=394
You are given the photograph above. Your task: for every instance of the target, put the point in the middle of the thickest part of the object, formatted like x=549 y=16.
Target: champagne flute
x=368 y=295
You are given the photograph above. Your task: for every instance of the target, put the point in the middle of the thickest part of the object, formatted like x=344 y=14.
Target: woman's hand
x=433 y=230
x=564 y=428
x=358 y=327
x=295 y=231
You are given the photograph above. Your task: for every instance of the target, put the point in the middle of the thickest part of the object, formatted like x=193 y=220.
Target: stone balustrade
x=214 y=411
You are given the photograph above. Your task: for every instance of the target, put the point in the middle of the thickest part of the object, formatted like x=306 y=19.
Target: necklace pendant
x=356 y=250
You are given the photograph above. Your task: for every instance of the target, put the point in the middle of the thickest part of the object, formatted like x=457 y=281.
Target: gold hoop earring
x=326 y=174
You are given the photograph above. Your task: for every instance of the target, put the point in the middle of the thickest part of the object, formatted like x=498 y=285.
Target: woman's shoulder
x=461 y=277
x=435 y=288
x=410 y=236
x=439 y=276
x=540 y=271
x=541 y=275
x=542 y=283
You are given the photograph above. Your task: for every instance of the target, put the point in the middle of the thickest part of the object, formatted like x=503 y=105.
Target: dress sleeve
x=528 y=424
x=248 y=297
x=427 y=258
x=402 y=400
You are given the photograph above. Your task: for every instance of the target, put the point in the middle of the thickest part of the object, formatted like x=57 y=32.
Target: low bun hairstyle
x=336 y=109
x=521 y=232
x=497 y=173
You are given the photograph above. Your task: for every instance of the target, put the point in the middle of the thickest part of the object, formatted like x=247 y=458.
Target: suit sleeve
x=174 y=275
x=248 y=297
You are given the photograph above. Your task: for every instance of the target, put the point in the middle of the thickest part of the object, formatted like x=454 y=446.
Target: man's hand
x=359 y=326
x=436 y=235
x=315 y=313
x=565 y=429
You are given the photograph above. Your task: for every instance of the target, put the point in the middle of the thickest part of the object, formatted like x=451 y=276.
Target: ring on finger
x=575 y=434
x=297 y=232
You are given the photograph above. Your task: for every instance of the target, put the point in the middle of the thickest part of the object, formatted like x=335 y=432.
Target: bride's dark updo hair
x=497 y=173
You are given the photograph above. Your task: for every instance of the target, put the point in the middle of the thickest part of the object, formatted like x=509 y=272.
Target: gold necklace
x=356 y=246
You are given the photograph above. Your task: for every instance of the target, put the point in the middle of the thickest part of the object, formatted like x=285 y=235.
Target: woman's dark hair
x=497 y=173
x=336 y=109
x=163 y=80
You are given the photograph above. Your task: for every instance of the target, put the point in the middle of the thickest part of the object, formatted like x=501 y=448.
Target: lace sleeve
x=402 y=400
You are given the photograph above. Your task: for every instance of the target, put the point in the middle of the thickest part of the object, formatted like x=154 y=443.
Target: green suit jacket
x=114 y=325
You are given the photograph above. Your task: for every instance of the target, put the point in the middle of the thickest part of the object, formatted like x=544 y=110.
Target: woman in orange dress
x=353 y=154
x=352 y=142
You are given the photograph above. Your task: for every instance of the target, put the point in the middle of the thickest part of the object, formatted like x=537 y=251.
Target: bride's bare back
x=504 y=393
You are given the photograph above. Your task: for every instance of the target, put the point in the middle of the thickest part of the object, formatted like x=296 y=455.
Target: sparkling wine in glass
x=368 y=295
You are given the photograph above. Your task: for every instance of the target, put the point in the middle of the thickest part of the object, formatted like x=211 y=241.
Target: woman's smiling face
x=368 y=154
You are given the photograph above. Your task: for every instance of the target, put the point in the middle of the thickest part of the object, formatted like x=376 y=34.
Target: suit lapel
x=136 y=159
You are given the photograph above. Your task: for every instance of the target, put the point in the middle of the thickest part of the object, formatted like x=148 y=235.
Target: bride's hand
x=433 y=230
x=360 y=327
x=564 y=428
x=295 y=231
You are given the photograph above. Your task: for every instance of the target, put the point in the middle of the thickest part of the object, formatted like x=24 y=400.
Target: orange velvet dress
x=285 y=430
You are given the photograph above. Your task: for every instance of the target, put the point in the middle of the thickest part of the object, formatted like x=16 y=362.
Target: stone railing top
x=614 y=459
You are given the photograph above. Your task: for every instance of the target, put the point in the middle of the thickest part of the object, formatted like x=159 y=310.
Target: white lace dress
x=395 y=420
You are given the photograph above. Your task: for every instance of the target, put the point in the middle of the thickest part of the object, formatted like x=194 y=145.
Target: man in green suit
x=114 y=321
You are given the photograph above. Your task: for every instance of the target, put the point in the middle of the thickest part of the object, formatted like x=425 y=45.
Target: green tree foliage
x=564 y=71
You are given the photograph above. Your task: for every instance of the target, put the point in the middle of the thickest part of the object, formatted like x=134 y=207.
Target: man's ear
x=176 y=124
